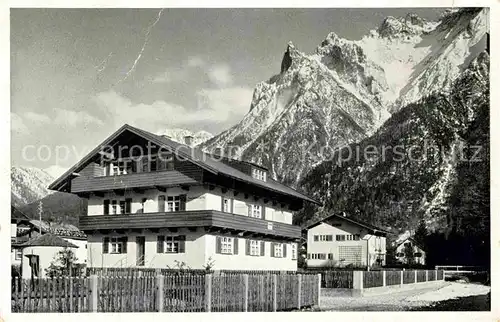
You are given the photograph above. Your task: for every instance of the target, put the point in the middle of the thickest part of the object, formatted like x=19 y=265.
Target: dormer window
x=259 y=174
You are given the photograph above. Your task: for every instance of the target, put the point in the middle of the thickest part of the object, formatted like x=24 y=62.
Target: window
x=294 y=251
x=255 y=211
x=330 y=256
x=400 y=255
x=115 y=245
x=173 y=203
x=259 y=174
x=113 y=207
x=143 y=203
x=323 y=237
x=172 y=244
x=347 y=237
x=226 y=245
x=254 y=248
x=418 y=254
x=165 y=161
x=316 y=256
x=350 y=254
x=122 y=206
x=278 y=250
x=106 y=207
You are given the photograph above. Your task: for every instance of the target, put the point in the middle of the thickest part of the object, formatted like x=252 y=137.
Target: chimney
x=188 y=140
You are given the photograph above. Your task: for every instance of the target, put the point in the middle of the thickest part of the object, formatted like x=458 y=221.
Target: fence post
x=275 y=292
x=402 y=273
x=208 y=292
x=159 y=292
x=384 y=278
x=245 y=294
x=94 y=296
x=415 y=276
x=319 y=288
x=299 y=291
x=426 y=275
x=357 y=281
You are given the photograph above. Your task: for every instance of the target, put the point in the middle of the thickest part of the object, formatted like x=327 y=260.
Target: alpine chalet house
x=172 y=204
x=340 y=241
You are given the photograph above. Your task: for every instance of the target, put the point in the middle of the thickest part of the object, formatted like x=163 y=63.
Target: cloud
x=36 y=117
x=55 y=171
x=171 y=75
x=229 y=105
x=214 y=107
x=220 y=75
x=195 y=61
x=74 y=118
x=17 y=124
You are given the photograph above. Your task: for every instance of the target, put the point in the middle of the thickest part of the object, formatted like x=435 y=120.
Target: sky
x=77 y=75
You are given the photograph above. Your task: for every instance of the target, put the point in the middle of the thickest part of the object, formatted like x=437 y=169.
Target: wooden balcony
x=212 y=220
x=131 y=181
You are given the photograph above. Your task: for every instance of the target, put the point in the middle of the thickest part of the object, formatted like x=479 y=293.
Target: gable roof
x=48 y=240
x=371 y=228
x=415 y=243
x=59 y=229
x=204 y=160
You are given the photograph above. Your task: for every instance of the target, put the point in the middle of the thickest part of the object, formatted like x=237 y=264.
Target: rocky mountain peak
x=409 y=25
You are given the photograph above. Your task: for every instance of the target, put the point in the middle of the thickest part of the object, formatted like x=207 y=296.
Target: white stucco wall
x=198 y=198
x=369 y=243
x=416 y=249
x=13 y=230
x=199 y=247
x=46 y=256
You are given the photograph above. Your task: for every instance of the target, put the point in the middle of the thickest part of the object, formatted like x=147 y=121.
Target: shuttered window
x=115 y=245
x=171 y=244
x=226 y=245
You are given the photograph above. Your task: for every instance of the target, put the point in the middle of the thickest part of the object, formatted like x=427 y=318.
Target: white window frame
x=115 y=245
x=226 y=245
x=294 y=251
x=113 y=207
x=254 y=247
x=256 y=211
x=171 y=244
x=278 y=250
x=173 y=203
x=259 y=174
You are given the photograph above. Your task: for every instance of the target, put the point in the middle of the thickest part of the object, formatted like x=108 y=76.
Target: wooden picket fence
x=190 y=292
x=50 y=295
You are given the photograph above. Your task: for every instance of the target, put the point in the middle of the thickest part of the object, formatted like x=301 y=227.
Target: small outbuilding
x=38 y=253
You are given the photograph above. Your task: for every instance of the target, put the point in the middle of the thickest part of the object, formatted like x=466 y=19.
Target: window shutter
x=222 y=203
x=263 y=212
x=232 y=205
x=105 y=245
x=160 y=244
x=247 y=246
x=124 y=242
x=316 y=237
x=218 y=245
x=308 y=256
x=284 y=249
x=106 y=207
x=262 y=248
x=182 y=206
x=272 y=249
x=249 y=206
x=161 y=203
x=128 y=205
x=182 y=244
x=235 y=245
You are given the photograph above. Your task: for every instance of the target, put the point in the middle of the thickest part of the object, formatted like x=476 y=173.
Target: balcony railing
x=186 y=219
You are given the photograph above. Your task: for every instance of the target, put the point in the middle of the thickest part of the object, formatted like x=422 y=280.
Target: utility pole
x=40 y=211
